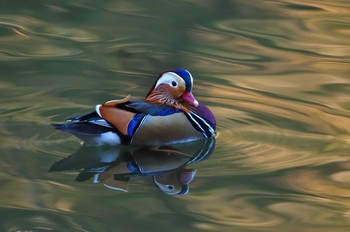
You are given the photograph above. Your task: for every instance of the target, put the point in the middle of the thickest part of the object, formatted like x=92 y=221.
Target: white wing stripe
x=199 y=126
x=210 y=128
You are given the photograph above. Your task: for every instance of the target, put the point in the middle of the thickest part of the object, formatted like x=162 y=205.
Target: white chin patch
x=108 y=138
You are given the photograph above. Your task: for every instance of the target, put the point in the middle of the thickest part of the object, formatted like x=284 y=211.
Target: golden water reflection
x=275 y=74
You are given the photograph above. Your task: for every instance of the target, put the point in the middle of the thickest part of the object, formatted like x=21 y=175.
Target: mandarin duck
x=169 y=114
x=116 y=166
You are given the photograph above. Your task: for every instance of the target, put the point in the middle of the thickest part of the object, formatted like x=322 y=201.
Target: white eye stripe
x=169 y=78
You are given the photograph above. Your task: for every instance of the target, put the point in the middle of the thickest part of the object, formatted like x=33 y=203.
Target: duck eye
x=173 y=84
x=170 y=187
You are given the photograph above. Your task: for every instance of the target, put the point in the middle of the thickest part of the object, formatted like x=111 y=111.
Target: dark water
x=275 y=74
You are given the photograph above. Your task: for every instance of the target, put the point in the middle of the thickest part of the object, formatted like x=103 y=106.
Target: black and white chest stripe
x=201 y=124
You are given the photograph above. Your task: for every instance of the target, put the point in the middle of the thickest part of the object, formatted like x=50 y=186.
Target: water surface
x=275 y=74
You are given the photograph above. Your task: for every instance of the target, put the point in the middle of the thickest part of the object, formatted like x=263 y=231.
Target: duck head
x=175 y=182
x=173 y=88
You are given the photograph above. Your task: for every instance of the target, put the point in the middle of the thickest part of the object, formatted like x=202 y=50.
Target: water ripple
x=318 y=181
x=238 y=210
x=30 y=27
x=17 y=219
x=268 y=46
x=275 y=74
x=259 y=131
x=34 y=37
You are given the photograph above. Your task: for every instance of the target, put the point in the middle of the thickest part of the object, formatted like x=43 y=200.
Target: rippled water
x=275 y=74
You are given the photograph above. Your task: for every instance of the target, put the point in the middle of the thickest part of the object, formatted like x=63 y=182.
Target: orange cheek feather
x=176 y=93
x=117 y=117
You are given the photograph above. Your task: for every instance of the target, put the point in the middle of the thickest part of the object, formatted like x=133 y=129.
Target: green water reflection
x=275 y=74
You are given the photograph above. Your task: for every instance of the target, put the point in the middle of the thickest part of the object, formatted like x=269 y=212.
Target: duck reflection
x=115 y=167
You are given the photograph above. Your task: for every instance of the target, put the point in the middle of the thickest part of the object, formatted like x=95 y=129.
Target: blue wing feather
x=142 y=107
